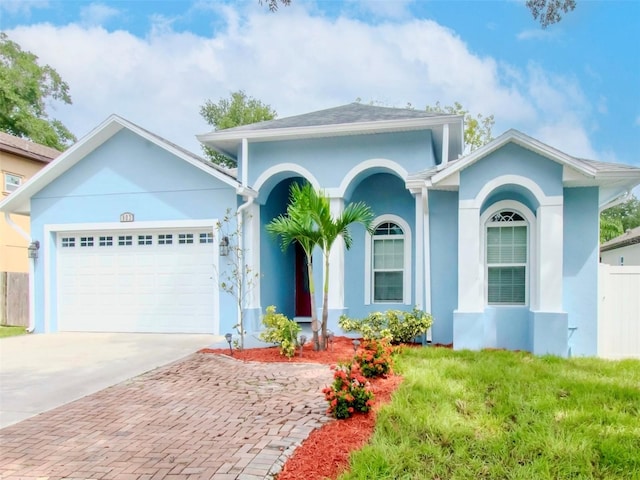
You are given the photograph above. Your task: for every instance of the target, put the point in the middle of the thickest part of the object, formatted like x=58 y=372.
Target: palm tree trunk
x=314 y=312
x=325 y=301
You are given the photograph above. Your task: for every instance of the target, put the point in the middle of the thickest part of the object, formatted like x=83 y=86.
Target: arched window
x=388 y=263
x=507 y=260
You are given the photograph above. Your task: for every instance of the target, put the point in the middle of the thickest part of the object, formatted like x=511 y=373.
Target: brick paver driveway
x=207 y=416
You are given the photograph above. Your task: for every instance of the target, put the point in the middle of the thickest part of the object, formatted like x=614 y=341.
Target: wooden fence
x=14 y=299
x=619 y=312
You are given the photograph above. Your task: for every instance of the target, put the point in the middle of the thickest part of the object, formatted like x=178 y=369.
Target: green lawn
x=505 y=415
x=11 y=331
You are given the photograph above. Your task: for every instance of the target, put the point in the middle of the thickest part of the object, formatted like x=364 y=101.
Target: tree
x=25 y=89
x=549 y=12
x=231 y=112
x=616 y=220
x=238 y=279
x=297 y=227
x=477 y=130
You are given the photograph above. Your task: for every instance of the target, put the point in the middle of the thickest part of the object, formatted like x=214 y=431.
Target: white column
x=336 y=262
x=549 y=248
x=252 y=252
x=419 y=246
x=445 y=144
x=245 y=162
x=470 y=261
x=427 y=251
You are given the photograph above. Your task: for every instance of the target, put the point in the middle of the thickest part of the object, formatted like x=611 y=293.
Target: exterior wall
x=13 y=248
x=385 y=194
x=330 y=160
x=443 y=219
x=580 y=273
x=513 y=176
x=630 y=253
x=126 y=174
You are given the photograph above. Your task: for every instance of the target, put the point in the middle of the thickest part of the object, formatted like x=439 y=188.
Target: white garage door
x=136 y=281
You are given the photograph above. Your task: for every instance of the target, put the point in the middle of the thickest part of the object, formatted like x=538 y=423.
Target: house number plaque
x=126 y=217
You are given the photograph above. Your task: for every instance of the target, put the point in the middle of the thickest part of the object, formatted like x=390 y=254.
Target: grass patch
x=506 y=415
x=11 y=331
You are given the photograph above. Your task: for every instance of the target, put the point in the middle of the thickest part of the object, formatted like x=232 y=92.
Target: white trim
x=335 y=129
x=245 y=162
x=50 y=248
x=367 y=165
x=336 y=262
x=420 y=248
x=368 y=261
x=445 y=144
x=531 y=286
x=519 y=180
x=518 y=138
x=18 y=202
x=285 y=167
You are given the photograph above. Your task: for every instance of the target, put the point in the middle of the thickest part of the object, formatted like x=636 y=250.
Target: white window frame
x=530 y=223
x=368 y=260
x=11 y=187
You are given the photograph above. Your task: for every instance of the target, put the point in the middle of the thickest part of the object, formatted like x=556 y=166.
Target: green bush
x=280 y=330
x=395 y=325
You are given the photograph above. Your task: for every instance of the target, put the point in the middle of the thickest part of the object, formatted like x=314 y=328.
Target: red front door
x=303 y=299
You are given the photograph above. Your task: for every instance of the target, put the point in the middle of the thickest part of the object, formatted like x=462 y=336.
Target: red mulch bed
x=335 y=439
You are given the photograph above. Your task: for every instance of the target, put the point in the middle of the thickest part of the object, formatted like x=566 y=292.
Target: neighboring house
x=20 y=159
x=622 y=250
x=500 y=245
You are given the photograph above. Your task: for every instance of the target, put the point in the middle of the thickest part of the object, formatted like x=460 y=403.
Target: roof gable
x=19 y=201
x=613 y=179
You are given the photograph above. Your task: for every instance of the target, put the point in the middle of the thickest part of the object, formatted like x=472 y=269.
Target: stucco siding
x=124 y=175
x=580 y=272
x=443 y=224
x=511 y=160
x=330 y=159
x=386 y=195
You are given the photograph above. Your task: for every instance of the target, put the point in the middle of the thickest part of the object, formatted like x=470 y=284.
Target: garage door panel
x=146 y=287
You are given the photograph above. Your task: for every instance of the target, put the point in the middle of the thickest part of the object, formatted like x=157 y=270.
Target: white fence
x=619 y=312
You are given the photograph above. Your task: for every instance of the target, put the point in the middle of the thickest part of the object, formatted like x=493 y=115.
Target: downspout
x=32 y=269
x=240 y=223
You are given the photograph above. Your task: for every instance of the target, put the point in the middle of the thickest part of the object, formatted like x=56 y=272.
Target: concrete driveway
x=39 y=372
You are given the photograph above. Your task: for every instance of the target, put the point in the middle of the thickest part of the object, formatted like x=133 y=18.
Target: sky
x=574 y=85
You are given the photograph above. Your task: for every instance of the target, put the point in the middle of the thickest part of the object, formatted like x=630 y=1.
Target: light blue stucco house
x=500 y=245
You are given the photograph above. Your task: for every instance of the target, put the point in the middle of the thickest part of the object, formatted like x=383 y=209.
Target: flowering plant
x=374 y=358
x=350 y=391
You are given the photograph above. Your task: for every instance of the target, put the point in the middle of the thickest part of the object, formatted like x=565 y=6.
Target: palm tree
x=298 y=227
x=330 y=229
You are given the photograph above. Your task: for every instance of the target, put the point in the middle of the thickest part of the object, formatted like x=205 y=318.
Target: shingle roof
x=27 y=148
x=351 y=113
x=630 y=237
x=608 y=166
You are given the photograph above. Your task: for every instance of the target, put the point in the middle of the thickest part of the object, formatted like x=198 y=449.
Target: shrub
x=374 y=358
x=350 y=391
x=280 y=330
x=394 y=325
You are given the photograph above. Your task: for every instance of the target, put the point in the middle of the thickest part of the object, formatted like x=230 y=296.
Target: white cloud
x=96 y=14
x=537 y=34
x=22 y=6
x=296 y=62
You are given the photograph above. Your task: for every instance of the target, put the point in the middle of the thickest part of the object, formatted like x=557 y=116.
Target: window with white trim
x=184 y=238
x=165 y=239
x=206 y=237
x=68 y=242
x=86 y=241
x=106 y=241
x=125 y=240
x=507 y=258
x=145 y=239
x=388 y=263
x=11 y=182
